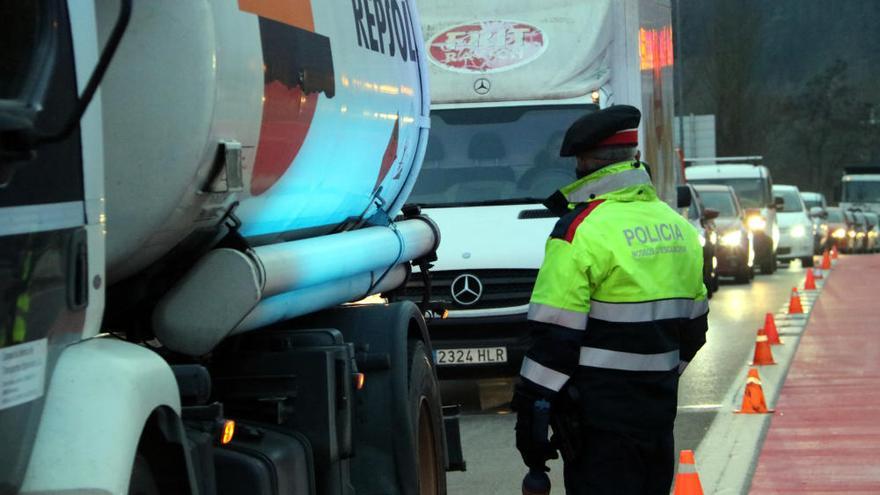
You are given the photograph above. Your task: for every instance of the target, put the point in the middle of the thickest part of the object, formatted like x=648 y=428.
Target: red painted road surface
x=825 y=436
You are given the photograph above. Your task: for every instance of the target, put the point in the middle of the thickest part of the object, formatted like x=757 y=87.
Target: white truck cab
x=753 y=185
x=507 y=80
x=861 y=188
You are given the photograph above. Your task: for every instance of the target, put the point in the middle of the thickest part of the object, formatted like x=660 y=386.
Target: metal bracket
x=228 y=176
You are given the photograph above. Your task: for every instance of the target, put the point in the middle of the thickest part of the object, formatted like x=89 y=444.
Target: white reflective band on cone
x=557 y=316
x=542 y=375
x=687 y=468
x=628 y=361
x=664 y=309
x=608 y=184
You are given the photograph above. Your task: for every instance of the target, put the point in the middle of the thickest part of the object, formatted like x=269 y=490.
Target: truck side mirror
x=710 y=214
x=684 y=196
x=779 y=203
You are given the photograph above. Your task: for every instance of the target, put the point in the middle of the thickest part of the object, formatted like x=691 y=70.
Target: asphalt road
x=736 y=312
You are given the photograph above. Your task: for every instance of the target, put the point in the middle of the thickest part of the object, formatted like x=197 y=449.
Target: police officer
x=618 y=310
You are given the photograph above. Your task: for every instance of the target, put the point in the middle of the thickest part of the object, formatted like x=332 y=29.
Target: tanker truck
x=191 y=196
x=507 y=79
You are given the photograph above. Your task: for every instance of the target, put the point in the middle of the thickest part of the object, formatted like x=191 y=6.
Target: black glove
x=532 y=433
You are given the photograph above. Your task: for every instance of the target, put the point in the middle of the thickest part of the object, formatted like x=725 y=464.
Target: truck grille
x=500 y=288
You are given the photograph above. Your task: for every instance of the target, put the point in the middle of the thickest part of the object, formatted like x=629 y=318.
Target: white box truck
x=507 y=79
x=860 y=188
x=175 y=262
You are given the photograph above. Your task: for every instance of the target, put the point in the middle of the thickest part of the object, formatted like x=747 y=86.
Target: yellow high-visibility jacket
x=619 y=306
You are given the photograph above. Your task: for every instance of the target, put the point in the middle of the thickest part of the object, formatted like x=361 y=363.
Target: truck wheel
x=142 y=480
x=743 y=275
x=768 y=266
x=424 y=399
x=807 y=262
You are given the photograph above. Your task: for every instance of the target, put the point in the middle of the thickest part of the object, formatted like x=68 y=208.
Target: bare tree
x=823 y=128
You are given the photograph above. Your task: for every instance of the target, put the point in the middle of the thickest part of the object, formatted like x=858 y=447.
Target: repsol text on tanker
x=385 y=26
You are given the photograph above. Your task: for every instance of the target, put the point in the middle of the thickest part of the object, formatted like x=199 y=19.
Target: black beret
x=594 y=130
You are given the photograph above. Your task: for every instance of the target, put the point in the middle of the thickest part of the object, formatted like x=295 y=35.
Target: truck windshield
x=483 y=156
x=719 y=200
x=752 y=193
x=861 y=191
x=812 y=203
x=791 y=200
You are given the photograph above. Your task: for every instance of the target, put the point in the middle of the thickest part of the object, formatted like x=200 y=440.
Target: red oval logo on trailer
x=487 y=46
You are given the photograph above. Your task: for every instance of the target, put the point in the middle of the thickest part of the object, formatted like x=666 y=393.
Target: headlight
x=713 y=237
x=860 y=235
x=732 y=239
x=702 y=240
x=839 y=234
x=851 y=233
x=756 y=222
x=798 y=231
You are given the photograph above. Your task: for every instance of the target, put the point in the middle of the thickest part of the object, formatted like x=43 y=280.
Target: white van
x=754 y=187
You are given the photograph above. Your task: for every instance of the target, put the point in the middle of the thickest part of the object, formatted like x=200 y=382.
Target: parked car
x=818 y=209
x=837 y=227
x=703 y=220
x=735 y=250
x=795 y=226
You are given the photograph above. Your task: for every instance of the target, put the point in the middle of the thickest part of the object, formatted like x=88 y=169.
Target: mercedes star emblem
x=482 y=86
x=466 y=289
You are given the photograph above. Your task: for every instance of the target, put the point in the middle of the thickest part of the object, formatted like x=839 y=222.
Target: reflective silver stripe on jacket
x=628 y=361
x=648 y=311
x=557 y=316
x=542 y=375
x=609 y=183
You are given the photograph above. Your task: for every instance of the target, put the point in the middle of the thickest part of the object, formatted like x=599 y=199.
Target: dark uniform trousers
x=617 y=463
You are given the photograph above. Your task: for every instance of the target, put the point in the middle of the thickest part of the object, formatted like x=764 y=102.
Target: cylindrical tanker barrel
x=296 y=264
x=229 y=289
x=300 y=117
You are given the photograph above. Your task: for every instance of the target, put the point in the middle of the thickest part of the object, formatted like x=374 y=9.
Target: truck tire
x=142 y=480
x=807 y=262
x=427 y=417
x=742 y=275
x=768 y=266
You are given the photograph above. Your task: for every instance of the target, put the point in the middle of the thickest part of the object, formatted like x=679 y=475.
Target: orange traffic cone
x=687 y=481
x=810 y=282
x=770 y=330
x=826 y=260
x=763 y=354
x=753 y=398
x=794 y=304
x=834 y=253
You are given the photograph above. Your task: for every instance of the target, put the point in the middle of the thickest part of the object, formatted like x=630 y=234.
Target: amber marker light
x=228 y=431
x=359 y=380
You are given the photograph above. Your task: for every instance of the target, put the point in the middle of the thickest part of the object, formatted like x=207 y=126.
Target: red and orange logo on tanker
x=487 y=46
x=298 y=65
